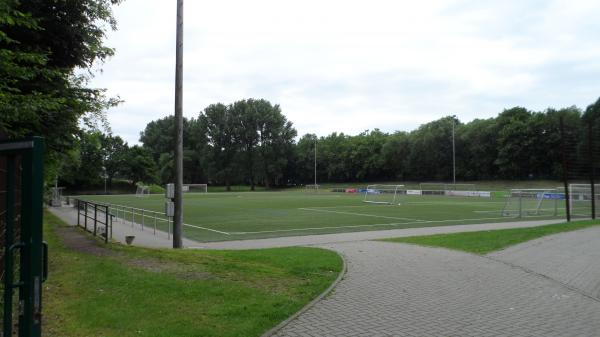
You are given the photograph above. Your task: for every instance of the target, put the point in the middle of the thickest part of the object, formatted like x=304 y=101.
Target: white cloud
x=347 y=66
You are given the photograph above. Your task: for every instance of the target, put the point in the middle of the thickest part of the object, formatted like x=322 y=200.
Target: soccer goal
x=532 y=202
x=580 y=199
x=312 y=188
x=384 y=194
x=56 y=196
x=195 y=188
x=142 y=191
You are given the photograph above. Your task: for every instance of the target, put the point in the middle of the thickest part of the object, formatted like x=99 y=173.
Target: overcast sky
x=348 y=66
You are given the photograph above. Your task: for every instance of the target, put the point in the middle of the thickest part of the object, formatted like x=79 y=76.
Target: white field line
x=495 y=211
x=373 y=225
x=358 y=214
x=207 y=229
x=429 y=203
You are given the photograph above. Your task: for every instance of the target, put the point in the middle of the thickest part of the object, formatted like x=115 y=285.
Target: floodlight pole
x=316 y=161
x=178 y=214
x=453 y=152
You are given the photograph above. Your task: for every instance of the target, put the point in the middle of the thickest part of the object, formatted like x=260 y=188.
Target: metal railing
x=94 y=217
x=144 y=218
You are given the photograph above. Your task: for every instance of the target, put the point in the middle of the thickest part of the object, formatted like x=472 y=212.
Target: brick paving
x=572 y=258
x=404 y=290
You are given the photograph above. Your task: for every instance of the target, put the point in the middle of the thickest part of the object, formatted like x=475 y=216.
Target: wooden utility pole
x=178 y=214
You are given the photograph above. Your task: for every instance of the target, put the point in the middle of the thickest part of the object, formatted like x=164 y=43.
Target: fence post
x=132 y=217
x=155 y=224
x=521 y=204
x=143 y=219
x=85 y=204
x=78 y=212
x=565 y=167
x=592 y=168
x=95 y=218
x=106 y=225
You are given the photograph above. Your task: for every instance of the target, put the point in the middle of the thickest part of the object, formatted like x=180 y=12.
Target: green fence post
x=8 y=240
x=30 y=293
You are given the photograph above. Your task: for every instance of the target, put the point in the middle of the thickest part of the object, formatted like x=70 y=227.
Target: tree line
x=49 y=51
x=251 y=142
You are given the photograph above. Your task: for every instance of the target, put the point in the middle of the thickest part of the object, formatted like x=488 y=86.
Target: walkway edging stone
x=312 y=303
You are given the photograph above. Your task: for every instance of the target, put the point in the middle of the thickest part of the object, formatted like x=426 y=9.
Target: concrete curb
x=312 y=303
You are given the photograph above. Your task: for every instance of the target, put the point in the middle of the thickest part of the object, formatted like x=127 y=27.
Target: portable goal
x=142 y=191
x=532 y=202
x=312 y=188
x=383 y=194
x=195 y=188
x=580 y=199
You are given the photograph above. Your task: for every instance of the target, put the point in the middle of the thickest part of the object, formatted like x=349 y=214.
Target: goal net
x=383 y=194
x=532 y=202
x=142 y=191
x=580 y=199
x=311 y=188
x=195 y=188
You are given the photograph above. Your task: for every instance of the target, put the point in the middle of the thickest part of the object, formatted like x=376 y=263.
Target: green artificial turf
x=127 y=291
x=251 y=215
x=484 y=242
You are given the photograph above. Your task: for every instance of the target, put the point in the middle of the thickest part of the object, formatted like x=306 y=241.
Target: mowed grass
x=124 y=291
x=249 y=215
x=483 y=242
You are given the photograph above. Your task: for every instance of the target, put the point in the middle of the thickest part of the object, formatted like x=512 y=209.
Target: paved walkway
x=404 y=290
x=311 y=240
x=571 y=258
x=143 y=238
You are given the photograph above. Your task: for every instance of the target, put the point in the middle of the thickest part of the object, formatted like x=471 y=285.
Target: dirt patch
x=75 y=240
x=179 y=270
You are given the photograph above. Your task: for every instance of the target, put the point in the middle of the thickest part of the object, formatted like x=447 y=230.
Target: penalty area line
x=358 y=214
x=207 y=229
x=369 y=225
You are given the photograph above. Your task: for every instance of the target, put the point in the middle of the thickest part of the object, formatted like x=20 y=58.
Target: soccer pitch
x=251 y=215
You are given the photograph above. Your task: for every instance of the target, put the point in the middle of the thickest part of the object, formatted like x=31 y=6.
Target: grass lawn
x=252 y=215
x=484 y=242
x=123 y=291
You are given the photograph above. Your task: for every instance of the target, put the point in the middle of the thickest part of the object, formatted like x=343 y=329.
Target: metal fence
x=94 y=218
x=144 y=218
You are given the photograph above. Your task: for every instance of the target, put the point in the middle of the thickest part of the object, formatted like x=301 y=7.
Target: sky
x=350 y=66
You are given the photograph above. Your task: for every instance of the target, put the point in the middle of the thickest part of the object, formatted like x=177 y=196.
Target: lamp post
x=453 y=151
x=316 y=162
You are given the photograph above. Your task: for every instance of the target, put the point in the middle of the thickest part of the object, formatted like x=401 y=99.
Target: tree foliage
x=45 y=49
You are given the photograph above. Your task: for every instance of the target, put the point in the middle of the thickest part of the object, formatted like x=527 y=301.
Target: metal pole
x=592 y=168
x=95 y=217
x=316 y=138
x=565 y=167
x=178 y=219
x=453 y=153
x=8 y=237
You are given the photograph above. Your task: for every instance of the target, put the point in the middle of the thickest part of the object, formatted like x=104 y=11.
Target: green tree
x=114 y=151
x=222 y=148
x=43 y=47
x=139 y=165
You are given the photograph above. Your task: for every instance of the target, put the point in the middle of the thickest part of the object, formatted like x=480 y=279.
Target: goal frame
x=312 y=188
x=584 y=198
x=142 y=191
x=546 y=194
x=395 y=188
x=186 y=188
